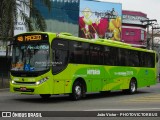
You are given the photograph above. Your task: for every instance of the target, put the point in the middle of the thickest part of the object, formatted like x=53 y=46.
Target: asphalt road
x=146 y=99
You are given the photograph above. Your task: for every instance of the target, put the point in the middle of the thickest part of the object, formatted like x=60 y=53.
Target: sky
x=149 y=7
x=104 y=6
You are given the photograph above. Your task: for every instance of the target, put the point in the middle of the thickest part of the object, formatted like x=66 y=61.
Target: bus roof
x=108 y=42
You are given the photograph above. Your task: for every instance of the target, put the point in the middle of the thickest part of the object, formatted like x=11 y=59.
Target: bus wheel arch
x=132 y=86
x=78 y=89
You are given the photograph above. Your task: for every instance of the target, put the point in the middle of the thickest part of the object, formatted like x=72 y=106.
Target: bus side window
x=86 y=55
x=150 y=59
x=122 y=56
x=96 y=54
x=106 y=55
x=76 y=52
x=142 y=59
x=133 y=58
x=136 y=58
x=79 y=52
x=113 y=56
x=110 y=55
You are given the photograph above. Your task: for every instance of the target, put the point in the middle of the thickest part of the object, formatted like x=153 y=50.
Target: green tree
x=9 y=11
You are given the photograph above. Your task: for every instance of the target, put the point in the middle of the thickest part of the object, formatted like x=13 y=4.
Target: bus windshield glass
x=30 y=57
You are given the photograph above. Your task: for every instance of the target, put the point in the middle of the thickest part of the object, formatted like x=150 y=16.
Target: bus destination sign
x=31 y=37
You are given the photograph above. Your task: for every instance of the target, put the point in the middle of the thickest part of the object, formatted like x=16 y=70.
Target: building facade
x=63 y=16
x=133 y=30
x=83 y=18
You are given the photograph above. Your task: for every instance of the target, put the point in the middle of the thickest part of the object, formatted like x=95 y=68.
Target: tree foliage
x=11 y=9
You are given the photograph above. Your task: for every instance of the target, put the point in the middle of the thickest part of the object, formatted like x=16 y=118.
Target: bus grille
x=29 y=83
x=27 y=90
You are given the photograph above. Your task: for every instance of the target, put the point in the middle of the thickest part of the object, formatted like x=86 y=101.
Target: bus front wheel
x=77 y=91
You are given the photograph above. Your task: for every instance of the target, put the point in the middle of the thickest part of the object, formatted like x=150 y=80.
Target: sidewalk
x=4 y=82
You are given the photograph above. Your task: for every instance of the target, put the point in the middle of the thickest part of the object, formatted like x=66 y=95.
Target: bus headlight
x=13 y=82
x=42 y=81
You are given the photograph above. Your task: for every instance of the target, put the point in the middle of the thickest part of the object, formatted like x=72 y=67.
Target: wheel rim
x=133 y=87
x=78 y=90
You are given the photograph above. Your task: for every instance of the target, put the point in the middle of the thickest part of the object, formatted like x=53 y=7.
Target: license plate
x=23 y=88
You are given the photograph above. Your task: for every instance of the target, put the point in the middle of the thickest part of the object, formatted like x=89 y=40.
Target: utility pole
x=148 y=23
x=153 y=28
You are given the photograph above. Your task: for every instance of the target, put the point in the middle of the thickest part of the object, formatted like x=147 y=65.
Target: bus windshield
x=30 y=57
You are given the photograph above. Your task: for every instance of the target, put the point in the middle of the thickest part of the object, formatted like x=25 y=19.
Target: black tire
x=77 y=91
x=132 y=87
x=45 y=96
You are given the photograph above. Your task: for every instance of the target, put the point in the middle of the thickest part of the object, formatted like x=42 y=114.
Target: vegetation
x=11 y=9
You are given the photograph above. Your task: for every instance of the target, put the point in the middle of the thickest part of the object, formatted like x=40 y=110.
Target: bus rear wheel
x=45 y=96
x=77 y=91
x=133 y=86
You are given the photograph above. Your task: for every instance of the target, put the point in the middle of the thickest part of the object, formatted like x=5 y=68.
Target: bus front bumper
x=31 y=89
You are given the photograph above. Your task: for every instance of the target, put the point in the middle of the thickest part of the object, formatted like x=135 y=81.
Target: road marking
x=151 y=98
x=124 y=109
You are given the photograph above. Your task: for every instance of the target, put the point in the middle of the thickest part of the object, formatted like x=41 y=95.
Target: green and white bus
x=48 y=64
